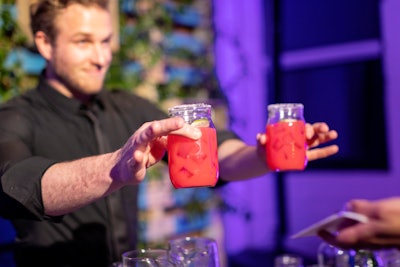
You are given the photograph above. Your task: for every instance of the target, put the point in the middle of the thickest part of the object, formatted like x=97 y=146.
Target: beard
x=77 y=82
x=81 y=86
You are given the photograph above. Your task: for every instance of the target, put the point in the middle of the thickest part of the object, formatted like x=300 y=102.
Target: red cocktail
x=286 y=145
x=193 y=163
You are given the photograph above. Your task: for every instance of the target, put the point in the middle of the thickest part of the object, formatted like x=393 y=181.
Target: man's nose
x=100 y=54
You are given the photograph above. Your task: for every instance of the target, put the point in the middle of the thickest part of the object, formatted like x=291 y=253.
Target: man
x=382 y=230
x=71 y=153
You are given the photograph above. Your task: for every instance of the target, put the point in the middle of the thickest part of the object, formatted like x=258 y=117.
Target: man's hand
x=316 y=134
x=147 y=146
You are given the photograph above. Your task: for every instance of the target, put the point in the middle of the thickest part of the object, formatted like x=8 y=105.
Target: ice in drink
x=286 y=141
x=193 y=163
x=286 y=147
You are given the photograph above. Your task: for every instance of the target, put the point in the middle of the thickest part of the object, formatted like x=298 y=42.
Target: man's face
x=81 y=52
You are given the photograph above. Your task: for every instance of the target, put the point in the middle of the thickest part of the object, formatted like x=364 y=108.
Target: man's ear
x=43 y=45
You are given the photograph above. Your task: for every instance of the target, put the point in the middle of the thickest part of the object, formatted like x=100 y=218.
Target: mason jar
x=193 y=163
x=286 y=140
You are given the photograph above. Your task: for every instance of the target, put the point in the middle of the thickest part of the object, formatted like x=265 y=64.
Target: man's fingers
x=317 y=127
x=155 y=129
x=319 y=153
x=175 y=125
x=188 y=131
x=320 y=138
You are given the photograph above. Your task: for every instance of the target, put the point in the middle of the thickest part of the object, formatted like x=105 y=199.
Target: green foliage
x=12 y=78
x=141 y=45
x=138 y=46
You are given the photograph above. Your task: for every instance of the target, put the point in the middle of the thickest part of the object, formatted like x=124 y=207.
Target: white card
x=332 y=223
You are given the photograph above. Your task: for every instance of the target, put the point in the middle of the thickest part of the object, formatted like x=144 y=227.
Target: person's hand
x=147 y=146
x=316 y=134
x=381 y=231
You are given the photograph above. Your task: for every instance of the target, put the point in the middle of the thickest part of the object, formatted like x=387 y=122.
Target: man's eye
x=82 y=41
x=107 y=42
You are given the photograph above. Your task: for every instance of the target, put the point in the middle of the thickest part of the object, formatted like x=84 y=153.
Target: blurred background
x=340 y=58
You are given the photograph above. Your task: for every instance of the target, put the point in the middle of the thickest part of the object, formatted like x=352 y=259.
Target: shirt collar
x=65 y=104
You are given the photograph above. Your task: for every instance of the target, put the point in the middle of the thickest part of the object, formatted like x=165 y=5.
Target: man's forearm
x=67 y=186
x=238 y=161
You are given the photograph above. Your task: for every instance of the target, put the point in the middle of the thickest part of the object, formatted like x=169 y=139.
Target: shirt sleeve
x=20 y=171
x=223 y=135
x=21 y=189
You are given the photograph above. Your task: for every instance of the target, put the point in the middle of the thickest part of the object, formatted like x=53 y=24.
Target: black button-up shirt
x=43 y=127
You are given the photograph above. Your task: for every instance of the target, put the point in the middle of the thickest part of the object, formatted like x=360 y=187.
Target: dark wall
x=332 y=66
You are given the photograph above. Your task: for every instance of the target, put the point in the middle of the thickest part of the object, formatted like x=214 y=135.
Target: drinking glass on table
x=147 y=258
x=288 y=260
x=331 y=256
x=194 y=251
x=389 y=257
x=366 y=258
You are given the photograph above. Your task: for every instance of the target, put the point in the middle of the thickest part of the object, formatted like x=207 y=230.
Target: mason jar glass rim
x=188 y=107
x=145 y=253
x=285 y=106
x=185 y=239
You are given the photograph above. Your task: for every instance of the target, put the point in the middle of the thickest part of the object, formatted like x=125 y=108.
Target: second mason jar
x=286 y=140
x=193 y=163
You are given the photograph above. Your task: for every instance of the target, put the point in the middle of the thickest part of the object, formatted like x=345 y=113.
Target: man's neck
x=67 y=92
